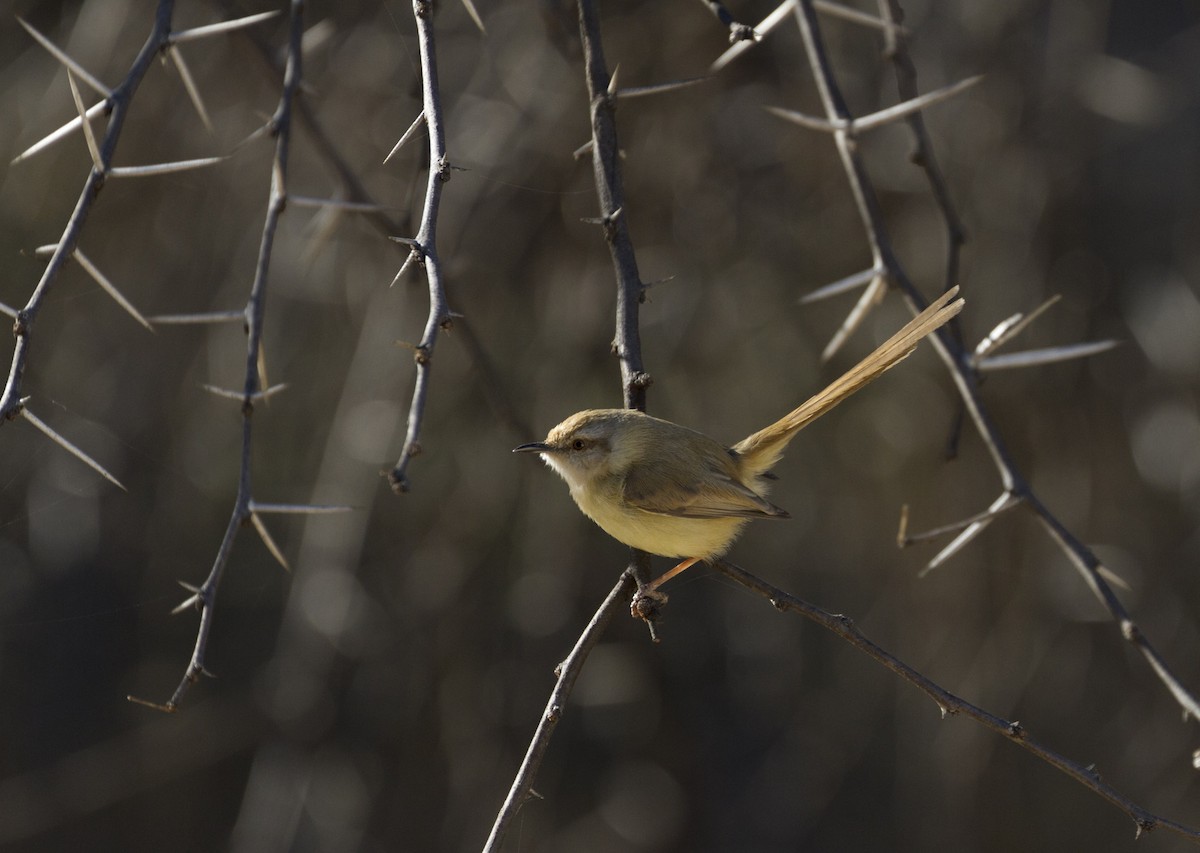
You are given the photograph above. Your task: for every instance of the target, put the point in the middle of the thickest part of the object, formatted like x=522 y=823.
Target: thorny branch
x=424 y=245
x=606 y=169
x=956 y=357
x=204 y=597
x=634 y=382
x=12 y=404
x=949 y=345
x=567 y=672
x=845 y=629
x=627 y=345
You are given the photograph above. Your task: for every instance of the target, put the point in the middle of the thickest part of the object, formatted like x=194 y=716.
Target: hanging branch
x=960 y=363
x=245 y=512
x=12 y=403
x=424 y=245
x=627 y=344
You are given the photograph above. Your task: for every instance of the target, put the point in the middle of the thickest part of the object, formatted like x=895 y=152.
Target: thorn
x=1049 y=355
x=222 y=27
x=474 y=13
x=189 y=85
x=197 y=319
x=163 y=168
x=870 y=298
x=915 y=105
x=68 y=446
x=111 y=289
x=1008 y=329
x=412 y=128
x=52 y=137
x=188 y=603
x=843 y=285
x=167 y=708
x=88 y=135
x=70 y=64
x=661 y=88
x=805 y=120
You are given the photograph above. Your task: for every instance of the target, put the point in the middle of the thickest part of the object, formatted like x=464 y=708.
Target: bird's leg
x=666 y=576
x=648 y=601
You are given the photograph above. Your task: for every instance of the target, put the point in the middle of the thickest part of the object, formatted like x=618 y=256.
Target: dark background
x=381 y=695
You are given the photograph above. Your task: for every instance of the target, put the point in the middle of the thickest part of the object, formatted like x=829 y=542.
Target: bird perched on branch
x=669 y=490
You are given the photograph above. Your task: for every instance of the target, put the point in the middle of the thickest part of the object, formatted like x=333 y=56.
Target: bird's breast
x=665 y=535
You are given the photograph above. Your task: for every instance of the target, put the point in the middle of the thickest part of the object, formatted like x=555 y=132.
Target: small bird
x=669 y=490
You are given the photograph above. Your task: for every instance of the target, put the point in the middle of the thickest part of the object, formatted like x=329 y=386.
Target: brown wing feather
x=667 y=489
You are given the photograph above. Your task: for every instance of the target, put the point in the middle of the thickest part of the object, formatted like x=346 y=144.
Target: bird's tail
x=762 y=450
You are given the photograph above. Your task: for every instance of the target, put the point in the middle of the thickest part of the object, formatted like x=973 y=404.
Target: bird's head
x=590 y=445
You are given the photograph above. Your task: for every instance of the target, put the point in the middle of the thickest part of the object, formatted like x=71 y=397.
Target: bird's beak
x=533 y=447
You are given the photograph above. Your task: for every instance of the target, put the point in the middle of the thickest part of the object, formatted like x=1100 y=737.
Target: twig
x=567 y=672
x=425 y=243
x=204 y=597
x=843 y=627
x=949 y=346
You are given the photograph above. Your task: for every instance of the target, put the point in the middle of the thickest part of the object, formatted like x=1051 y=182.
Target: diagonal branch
x=120 y=101
x=843 y=627
x=567 y=672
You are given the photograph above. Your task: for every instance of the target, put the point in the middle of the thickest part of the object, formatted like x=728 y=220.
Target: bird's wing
x=664 y=490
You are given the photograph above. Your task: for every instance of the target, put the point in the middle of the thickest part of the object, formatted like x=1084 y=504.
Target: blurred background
x=381 y=695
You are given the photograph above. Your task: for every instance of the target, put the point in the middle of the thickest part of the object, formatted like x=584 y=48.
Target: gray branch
x=204 y=597
x=956 y=357
x=425 y=244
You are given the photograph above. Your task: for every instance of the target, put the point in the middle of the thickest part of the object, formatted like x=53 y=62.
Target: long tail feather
x=762 y=450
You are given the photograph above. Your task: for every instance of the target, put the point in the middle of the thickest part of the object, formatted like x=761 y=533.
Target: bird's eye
x=578 y=444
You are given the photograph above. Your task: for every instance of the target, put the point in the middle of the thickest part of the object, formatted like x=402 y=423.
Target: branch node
x=421 y=355
x=1016 y=731
x=647 y=605
x=742 y=32
x=397 y=481
x=641 y=379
